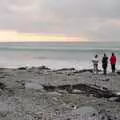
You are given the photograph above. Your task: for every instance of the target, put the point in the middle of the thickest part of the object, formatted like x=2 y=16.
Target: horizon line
x=54 y=41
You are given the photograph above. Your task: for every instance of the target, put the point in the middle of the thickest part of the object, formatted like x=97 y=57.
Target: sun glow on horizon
x=13 y=36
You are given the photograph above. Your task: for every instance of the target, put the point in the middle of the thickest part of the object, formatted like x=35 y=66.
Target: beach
x=60 y=60
x=41 y=93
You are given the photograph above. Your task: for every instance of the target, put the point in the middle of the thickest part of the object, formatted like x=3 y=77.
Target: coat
x=113 y=60
x=104 y=62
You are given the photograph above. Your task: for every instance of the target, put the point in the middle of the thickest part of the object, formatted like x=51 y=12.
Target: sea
x=56 y=55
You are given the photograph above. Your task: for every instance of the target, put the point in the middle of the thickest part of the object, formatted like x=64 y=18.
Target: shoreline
x=44 y=67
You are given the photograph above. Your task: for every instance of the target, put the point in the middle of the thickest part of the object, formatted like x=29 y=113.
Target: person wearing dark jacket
x=113 y=62
x=104 y=64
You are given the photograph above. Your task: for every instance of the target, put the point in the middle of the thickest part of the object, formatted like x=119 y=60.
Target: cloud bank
x=92 y=19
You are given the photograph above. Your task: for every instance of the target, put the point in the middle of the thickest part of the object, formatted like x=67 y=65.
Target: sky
x=59 y=20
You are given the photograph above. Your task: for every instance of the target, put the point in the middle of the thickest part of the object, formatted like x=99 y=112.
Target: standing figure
x=104 y=64
x=95 y=63
x=113 y=62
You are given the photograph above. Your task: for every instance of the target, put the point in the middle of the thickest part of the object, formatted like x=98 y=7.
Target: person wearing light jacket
x=95 y=63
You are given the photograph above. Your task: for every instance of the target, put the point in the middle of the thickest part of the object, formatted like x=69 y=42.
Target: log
x=96 y=91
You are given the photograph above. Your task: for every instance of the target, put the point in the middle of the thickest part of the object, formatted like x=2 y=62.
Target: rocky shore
x=39 y=93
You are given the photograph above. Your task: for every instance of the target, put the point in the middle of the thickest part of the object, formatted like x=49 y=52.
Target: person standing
x=113 y=62
x=104 y=64
x=95 y=63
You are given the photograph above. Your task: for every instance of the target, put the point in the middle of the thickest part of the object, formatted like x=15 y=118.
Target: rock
x=65 y=69
x=43 y=68
x=117 y=93
x=74 y=107
x=118 y=99
x=49 y=88
x=105 y=79
x=2 y=86
x=22 y=68
x=62 y=91
x=118 y=72
x=84 y=70
x=104 y=88
x=70 y=74
x=103 y=115
x=86 y=113
x=113 y=98
x=76 y=91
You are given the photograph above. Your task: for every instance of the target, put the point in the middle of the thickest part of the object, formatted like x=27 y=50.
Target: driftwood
x=96 y=91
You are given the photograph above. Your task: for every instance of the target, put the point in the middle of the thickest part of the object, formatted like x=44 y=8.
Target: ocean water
x=56 y=55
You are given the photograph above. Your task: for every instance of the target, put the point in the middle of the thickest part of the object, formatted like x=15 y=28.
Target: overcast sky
x=91 y=19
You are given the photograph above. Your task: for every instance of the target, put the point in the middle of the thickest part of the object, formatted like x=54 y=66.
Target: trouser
x=96 y=68
x=113 y=68
x=104 y=69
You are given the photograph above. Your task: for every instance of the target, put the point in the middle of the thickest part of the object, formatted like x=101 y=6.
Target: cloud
x=92 y=19
x=109 y=31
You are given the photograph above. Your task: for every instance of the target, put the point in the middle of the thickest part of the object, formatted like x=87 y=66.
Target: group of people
x=104 y=61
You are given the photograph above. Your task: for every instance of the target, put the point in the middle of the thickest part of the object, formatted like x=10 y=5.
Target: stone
x=43 y=68
x=113 y=98
x=117 y=93
x=22 y=68
x=118 y=72
x=2 y=86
